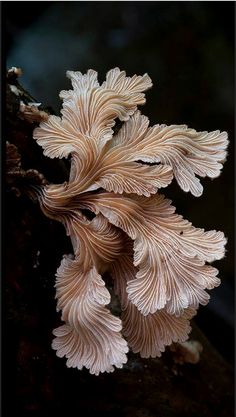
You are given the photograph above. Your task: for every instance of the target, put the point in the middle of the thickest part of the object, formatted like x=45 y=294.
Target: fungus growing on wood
x=158 y=261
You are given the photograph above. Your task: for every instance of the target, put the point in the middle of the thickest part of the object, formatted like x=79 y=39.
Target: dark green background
x=187 y=48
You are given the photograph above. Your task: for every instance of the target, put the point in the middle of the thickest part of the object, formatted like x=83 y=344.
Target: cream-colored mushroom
x=158 y=260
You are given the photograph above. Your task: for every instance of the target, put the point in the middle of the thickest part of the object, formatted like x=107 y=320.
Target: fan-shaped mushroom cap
x=158 y=260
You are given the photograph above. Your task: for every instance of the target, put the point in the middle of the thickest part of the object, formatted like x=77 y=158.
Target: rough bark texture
x=36 y=381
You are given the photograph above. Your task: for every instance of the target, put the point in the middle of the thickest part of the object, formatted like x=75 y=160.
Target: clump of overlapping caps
x=156 y=258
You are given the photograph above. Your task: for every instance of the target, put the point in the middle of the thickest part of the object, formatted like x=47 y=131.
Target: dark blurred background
x=187 y=48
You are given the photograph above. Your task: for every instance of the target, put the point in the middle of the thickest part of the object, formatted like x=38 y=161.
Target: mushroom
x=158 y=261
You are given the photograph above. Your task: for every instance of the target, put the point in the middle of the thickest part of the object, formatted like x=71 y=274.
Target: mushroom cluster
x=159 y=263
